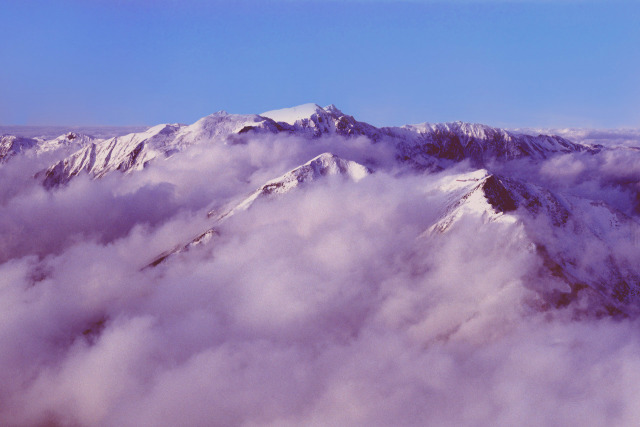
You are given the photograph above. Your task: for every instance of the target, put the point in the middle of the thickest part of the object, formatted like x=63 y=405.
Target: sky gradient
x=519 y=63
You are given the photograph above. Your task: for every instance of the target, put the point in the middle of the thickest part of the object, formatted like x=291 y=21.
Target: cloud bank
x=319 y=307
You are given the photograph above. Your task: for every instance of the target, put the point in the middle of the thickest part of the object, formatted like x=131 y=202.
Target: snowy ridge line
x=607 y=288
x=423 y=146
x=324 y=165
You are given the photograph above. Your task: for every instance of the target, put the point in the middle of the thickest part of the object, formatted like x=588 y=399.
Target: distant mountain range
x=485 y=192
x=425 y=146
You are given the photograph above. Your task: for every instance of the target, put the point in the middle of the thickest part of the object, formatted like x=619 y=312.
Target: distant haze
x=608 y=137
x=48 y=132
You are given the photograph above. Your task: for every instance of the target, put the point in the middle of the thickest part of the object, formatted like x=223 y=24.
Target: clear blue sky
x=505 y=63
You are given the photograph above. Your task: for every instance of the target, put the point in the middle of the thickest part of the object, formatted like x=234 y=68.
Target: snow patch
x=293 y=114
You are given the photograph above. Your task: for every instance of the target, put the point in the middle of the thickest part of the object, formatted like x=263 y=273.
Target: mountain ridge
x=321 y=166
x=423 y=146
x=492 y=198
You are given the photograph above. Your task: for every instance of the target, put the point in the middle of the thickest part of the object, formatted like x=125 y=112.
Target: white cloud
x=322 y=307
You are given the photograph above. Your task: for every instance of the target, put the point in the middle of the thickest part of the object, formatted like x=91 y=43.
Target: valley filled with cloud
x=500 y=289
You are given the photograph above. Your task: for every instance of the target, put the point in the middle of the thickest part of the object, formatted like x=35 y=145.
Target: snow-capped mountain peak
x=422 y=146
x=332 y=109
x=136 y=150
x=324 y=165
x=315 y=121
x=11 y=145
x=426 y=144
x=495 y=197
x=533 y=210
x=293 y=114
x=223 y=124
x=69 y=141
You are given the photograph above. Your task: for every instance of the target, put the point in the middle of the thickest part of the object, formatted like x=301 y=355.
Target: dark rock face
x=246 y=129
x=53 y=176
x=330 y=120
x=506 y=195
x=497 y=195
x=446 y=146
x=434 y=146
x=131 y=158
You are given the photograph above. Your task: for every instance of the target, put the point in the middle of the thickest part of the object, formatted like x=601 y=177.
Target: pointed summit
x=333 y=110
x=321 y=166
x=326 y=164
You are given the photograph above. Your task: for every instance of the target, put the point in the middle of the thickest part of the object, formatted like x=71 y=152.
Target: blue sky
x=505 y=63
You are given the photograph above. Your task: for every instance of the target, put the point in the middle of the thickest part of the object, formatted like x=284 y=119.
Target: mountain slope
x=545 y=220
x=11 y=145
x=69 y=141
x=134 y=151
x=324 y=165
x=424 y=146
x=559 y=230
x=315 y=121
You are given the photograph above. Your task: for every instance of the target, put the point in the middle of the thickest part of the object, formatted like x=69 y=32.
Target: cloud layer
x=319 y=307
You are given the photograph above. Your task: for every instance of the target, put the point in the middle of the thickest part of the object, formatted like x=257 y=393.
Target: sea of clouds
x=324 y=306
